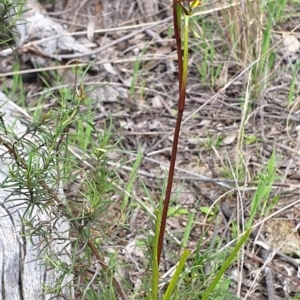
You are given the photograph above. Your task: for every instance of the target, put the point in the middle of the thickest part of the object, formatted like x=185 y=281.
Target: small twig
x=107 y=270
x=265 y=249
x=91 y=281
x=268 y=274
x=99 y=50
x=104 y=31
x=277 y=271
x=262 y=243
x=96 y=63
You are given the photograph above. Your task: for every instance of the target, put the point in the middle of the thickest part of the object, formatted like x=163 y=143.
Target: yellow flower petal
x=195 y=3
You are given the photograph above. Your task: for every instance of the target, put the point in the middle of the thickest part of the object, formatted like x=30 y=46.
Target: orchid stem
x=178 y=11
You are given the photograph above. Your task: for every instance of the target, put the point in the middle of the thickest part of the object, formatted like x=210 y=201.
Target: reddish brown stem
x=181 y=101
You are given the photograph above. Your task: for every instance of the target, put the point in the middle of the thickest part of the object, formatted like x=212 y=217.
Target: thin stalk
x=178 y=11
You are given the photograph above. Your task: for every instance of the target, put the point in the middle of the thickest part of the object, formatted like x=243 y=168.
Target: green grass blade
x=155 y=269
x=136 y=69
x=227 y=263
x=132 y=179
x=188 y=230
x=176 y=275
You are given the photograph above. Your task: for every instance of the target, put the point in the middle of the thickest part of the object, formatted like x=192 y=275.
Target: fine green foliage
x=226 y=264
x=132 y=179
x=48 y=143
x=293 y=85
x=10 y=13
x=259 y=204
x=135 y=75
